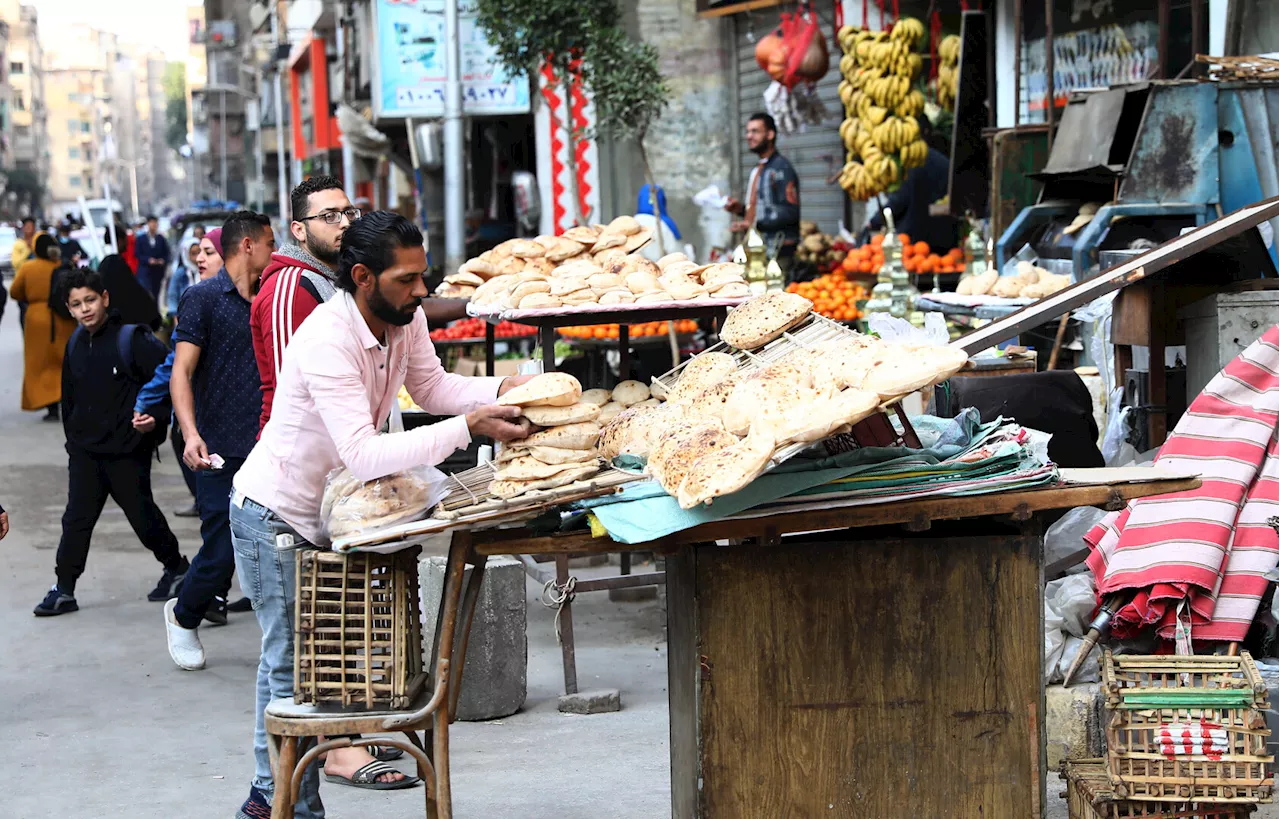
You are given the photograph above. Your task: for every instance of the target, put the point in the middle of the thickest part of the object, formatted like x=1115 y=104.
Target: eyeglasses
x=333 y=217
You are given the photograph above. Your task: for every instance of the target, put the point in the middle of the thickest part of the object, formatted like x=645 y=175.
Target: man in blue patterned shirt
x=216 y=397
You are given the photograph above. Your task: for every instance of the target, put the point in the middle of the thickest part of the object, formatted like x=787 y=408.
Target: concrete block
x=634 y=594
x=1073 y=723
x=600 y=701
x=494 y=681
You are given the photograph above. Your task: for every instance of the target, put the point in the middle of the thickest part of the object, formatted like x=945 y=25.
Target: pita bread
x=761 y=320
x=597 y=396
x=541 y=265
x=710 y=403
x=462 y=277
x=509 y=489
x=767 y=396
x=545 y=390
x=642 y=281
x=638 y=240
x=630 y=392
x=546 y=240
x=722 y=273
x=558 y=416
x=657 y=389
x=510 y=265
x=818 y=420
x=680 y=287
x=612 y=298
x=564 y=249
x=604 y=280
x=733 y=290
x=582 y=235
x=679 y=268
x=539 y=301
x=680 y=446
x=580 y=297
x=528 y=468
x=725 y=471
x=578 y=267
x=608 y=241
x=479 y=267
x=547 y=454
x=527 y=249
x=609 y=411
x=564 y=285
x=669 y=259
x=701 y=373
x=625 y=433
x=1009 y=287
x=659 y=297
x=377 y=503
x=648 y=402
x=605 y=258
x=503 y=249
x=454 y=291
x=529 y=288
x=901 y=370
x=568 y=436
x=493 y=289
x=626 y=225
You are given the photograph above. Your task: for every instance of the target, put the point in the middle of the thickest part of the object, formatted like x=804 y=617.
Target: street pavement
x=99 y=723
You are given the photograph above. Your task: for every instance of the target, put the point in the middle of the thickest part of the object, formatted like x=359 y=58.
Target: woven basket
x=1186 y=728
x=358 y=636
x=1089 y=796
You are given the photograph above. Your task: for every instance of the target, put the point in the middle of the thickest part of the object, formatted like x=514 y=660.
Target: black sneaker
x=55 y=603
x=217 y=611
x=240 y=606
x=167 y=588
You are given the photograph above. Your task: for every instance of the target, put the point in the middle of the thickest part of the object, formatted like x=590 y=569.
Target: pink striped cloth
x=1214 y=545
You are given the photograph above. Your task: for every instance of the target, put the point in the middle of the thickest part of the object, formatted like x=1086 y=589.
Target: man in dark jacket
x=772 y=206
x=152 y=251
x=109 y=445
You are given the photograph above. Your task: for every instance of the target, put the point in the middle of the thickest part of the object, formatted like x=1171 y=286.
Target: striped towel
x=1214 y=545
x=1192 y=739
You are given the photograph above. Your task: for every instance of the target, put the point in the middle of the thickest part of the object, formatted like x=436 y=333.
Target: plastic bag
x=353 y=507
x=893 y=329
x=1069 y=603
x=1116 y=449
x=1066 y=537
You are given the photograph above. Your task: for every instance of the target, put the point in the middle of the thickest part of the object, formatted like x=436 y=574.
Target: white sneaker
x=184 y=643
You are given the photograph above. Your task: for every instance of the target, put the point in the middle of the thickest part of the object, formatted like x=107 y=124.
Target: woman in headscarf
x=662 y=224
x=45 y=333
x=128 y=297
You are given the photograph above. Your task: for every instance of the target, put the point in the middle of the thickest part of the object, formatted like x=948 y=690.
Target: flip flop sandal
x=384 y=753
x=367 y=777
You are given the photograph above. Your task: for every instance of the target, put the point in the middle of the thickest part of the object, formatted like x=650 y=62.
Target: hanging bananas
x=879 y=132
x=948 y=71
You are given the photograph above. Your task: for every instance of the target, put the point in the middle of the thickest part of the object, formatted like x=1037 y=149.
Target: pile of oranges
x=649 y=328
x=833 y=295
x=916 y=258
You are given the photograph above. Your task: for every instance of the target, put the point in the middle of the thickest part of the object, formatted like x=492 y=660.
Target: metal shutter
x=815 y=153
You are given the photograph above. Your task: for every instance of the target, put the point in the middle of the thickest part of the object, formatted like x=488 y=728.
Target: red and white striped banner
x=553 y=152
x=1192 y=739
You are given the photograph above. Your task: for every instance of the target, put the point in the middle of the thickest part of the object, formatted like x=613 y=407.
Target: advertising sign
x=410 y=73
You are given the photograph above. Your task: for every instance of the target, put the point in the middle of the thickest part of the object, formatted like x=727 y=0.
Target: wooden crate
x=1090 y=796
x=358 y=635
x=1186 y=728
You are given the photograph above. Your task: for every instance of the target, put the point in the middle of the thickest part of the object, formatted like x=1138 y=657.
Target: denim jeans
x=269 y=578
x=211 y=569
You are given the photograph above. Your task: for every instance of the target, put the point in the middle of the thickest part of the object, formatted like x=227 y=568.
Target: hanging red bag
x=807 y=57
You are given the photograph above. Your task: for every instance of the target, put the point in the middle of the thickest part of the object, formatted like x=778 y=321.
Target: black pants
x=127 y=479
x=213 y=567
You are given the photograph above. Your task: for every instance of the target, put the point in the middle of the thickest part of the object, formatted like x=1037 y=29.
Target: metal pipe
x=1048 y=68
x=282 y=184
x=454 y=229
x=1017 y=63
x=259 y=150
x=223 y=140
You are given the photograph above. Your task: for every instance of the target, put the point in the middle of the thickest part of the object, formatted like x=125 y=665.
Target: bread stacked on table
x=721 y=425
x=592 y=265
x=1029 y=282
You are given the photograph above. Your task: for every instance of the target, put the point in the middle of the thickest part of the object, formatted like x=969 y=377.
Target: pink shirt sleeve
x=331 y=373
x=436 y=391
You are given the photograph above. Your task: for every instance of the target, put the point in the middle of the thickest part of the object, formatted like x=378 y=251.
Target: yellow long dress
x=44 y=335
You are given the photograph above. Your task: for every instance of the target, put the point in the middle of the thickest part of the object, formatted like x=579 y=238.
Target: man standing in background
x=152 y=251
x=772 y=206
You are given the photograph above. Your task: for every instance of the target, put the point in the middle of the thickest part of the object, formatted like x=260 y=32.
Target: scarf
x=324 y=277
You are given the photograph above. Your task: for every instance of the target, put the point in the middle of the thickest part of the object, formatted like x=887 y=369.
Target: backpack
x=57 y=298
x=124 y=348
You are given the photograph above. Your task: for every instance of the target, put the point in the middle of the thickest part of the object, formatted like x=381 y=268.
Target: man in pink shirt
x=342 y=371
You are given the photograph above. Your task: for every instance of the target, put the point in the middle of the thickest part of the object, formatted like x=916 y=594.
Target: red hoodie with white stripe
x=293 y=284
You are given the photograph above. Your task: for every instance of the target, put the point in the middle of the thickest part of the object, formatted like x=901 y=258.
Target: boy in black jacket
x=108 y=444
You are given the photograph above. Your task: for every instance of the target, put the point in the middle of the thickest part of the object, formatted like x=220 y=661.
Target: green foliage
x=526 y=32
x=627 y=88
x=175 y=106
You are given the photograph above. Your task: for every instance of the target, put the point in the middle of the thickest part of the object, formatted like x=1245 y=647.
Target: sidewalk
x=100 y=723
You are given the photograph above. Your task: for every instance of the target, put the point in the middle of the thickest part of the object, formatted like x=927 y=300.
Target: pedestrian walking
x=215 y=391
x=152 y=251
x=24 y=245
x=341 y=374
x=46 y=329
x=109 y=446
x=185 y=273
x=128 y=297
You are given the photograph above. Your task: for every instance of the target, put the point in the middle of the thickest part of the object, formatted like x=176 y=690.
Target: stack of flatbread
x=562 y=450
x=592 y=265
x=721 y=424
x=350 y=506
x=1029 y=282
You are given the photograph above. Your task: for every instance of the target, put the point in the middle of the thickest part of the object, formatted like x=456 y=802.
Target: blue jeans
x=211 y=569
x=269 y=578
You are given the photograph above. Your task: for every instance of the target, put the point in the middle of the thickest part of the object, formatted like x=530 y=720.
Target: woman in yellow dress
x=45 y=333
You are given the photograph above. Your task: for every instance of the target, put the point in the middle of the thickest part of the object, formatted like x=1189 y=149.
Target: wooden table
x=873 y=661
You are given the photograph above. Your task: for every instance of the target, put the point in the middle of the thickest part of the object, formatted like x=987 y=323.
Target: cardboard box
x=501 y=367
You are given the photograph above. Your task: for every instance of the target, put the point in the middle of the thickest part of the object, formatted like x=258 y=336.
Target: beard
x=763 y=148
x=325 y=253
x=381 y=307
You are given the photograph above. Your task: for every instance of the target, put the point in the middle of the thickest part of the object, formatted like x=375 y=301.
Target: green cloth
x=1186 y=698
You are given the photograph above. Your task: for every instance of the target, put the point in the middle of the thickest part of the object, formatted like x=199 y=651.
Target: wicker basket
x=359 y=639
x=1089 y=796
x=1186 y=728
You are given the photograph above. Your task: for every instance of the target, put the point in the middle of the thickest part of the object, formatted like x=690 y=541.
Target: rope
x=556 y=596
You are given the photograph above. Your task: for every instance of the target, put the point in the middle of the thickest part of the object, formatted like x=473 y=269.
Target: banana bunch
x=888 y=91
x=895 y=133
x=948 y=71
x=908 y=30
x=911 y=106
x=882 y=169
x=913 y=154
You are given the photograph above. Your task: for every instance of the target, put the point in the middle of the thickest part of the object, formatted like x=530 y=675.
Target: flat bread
x=378 y=503
x=506 y=489
x=547 y=454
x=545 y=390
x=527 y=249
x=670 y=259
x=546 y=240
x=627 y=432
x=679 y=268
x=564 y=285
x=901 y=369
x=725 y=471
x=607 y=257
x=733 y=290
x=566 y=436
x=659 y=297
x=642 y=281
x=559 y=416
x=821 y=419
x=722 y=273
x=454 y=291
x=604 y=281
x=700 y=373
x=608 y=241
x=510 y=265
x=626 y=225
x=564 y=249
x=528 y=468
x=680 y=446
x=598 y=397
x=609 y=411
x=710 y=402
x=528 y=288
x=767 y=396
x=583 y=235
x=638 y=240
x=539 y=301
x=580 y=297
x=630 y=392
x=479 y=267
x=615 y=297
x=757 y=322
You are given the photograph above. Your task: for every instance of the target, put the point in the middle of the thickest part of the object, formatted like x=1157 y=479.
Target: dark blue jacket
x=146 y=248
